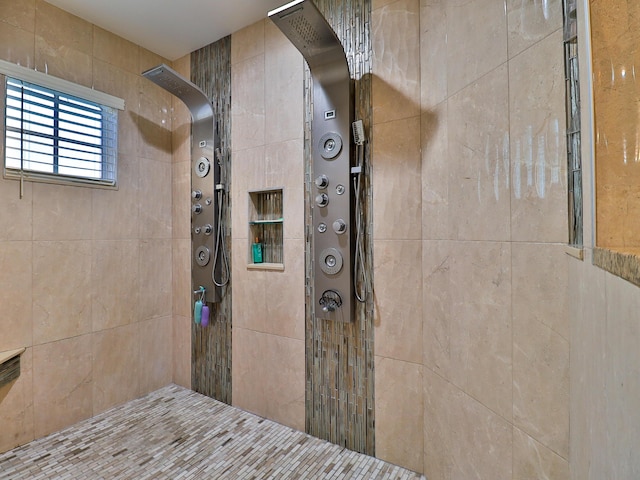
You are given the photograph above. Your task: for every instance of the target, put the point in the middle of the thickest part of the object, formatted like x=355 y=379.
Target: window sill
x=625 y=263
x=576 y=252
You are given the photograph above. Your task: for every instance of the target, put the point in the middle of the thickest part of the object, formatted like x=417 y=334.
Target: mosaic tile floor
x=175 y=433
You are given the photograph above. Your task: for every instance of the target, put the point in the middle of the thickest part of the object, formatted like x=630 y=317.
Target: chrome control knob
x=207 y=229
x=196 y=194
x=322 y=181
x=196 y=209
x=339 y=226
x=330 y=301
x=322 y=200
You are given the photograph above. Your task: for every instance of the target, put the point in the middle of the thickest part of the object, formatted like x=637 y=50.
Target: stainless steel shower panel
x=333 y=236
x=205 y=175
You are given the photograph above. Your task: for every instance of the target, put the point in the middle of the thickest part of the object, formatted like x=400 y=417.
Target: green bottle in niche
x=257 y=251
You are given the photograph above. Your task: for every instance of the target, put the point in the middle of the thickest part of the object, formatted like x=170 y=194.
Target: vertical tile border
x=340 y=357
x=211 y=346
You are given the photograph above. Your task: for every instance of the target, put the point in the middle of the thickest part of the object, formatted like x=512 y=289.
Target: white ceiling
x=171 y=28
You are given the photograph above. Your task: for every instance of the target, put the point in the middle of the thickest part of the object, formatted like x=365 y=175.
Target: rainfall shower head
x=310 y=33
x=194 y=98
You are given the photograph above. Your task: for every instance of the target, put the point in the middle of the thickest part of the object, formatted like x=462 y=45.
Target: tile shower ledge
x=6 y=356
x=624 y=263
x=10 y=366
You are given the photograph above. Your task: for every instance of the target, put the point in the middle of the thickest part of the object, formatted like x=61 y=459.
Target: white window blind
x=51 y=134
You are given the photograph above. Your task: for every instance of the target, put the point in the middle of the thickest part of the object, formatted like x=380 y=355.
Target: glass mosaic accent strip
x=572 y=79
x=339 y=363
x=211 y=346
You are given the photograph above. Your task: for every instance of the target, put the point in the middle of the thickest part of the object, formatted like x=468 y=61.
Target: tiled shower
x=474 y=292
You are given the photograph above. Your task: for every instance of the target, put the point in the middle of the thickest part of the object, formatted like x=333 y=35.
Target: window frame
x=108 y=104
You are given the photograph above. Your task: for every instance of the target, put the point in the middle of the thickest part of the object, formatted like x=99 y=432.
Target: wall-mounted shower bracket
x=205 y=177
x=333 y=250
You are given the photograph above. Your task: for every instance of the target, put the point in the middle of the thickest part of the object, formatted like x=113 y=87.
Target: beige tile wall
x=490 y=220
x=483 y=317
x=604 y=310
x=267 y=147
x=86 y=274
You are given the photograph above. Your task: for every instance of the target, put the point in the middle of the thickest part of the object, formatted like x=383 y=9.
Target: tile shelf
x=10 y=365
x=266 y=223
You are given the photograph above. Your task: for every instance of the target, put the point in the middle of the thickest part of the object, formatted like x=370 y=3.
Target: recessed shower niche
x=266 y=230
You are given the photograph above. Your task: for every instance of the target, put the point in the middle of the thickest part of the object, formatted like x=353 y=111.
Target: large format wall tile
x=64 y=44
x=476 y=40
x=541 y=384
x=16 y=213
x=532 y=460
x=248 y=103
x=17 y=45
x=156 y=353
x=249 y=290
x=115 y=213
x=284 y=294
x=16 y=406
x=437 y=222
x=181 y=348
x=480 y=323
x=154 y=122
x=247 y=43
x=181 y=200
x=283 y=69
x=61 y=212
x=248 y=169
x=284 y=168
x=116 y=368
x=116 y=50
x=154 y=199
x=622 y=383
x=538 y=151
x=530 y=21
x=62 y=286
x=247 y=377
x=398 y=300
x=70 y=255
x=19 y=14
x=467 y=319
x=463 y=439
x=154 y=283
x=399 y=412
x=181 y=277
x=588 y=294
x=396 y=61
x=62 y=384
x=433 y=53
x=478 y=128
x=283 y=370
x=396 y=180
x=115 y=276
x=437 y=298
x=16 y=295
